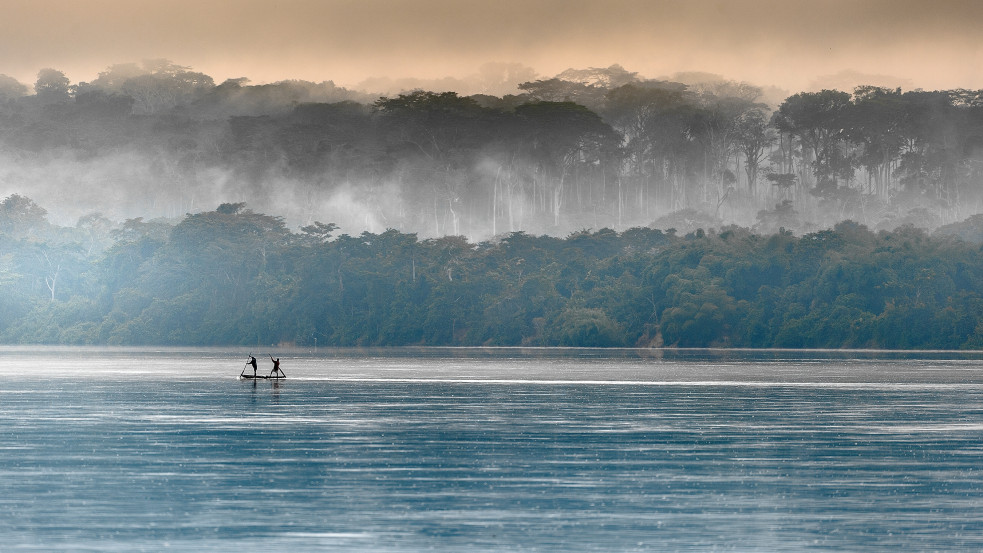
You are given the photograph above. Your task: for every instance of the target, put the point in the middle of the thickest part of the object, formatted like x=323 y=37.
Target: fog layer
x=588 y=149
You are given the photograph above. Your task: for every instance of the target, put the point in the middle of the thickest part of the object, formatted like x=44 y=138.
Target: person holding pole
x=276 y=368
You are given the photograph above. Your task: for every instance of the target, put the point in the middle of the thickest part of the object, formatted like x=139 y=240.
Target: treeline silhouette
x=234 y=276
x=587 y=149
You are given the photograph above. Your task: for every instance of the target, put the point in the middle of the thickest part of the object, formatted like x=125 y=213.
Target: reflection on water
x=412 y=450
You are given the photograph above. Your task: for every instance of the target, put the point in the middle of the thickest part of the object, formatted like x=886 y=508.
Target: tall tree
x=819 y=120
x=875 y=123
x=753 y=137
x=52 y=86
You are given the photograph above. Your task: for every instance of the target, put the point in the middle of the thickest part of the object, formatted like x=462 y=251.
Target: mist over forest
x=593 y=208
x=586 y=149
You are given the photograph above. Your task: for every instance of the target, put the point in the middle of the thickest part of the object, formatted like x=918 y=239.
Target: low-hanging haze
x=930 y=45
x=371 y=48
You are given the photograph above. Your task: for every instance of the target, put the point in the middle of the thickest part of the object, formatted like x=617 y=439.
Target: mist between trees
x=595 y=148
x=472 y=220
x=234 y=276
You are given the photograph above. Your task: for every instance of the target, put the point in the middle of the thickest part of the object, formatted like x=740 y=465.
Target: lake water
x=455 y=450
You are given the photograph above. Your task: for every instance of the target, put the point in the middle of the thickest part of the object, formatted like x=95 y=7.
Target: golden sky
x=789 y=43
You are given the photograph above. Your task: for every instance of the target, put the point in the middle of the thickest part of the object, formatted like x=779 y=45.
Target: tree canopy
x=596 y=147
x=234 y=276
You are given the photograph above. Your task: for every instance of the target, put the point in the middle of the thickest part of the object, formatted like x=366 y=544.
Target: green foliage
x=602 y=145
x=584 y=327
x=232 y=276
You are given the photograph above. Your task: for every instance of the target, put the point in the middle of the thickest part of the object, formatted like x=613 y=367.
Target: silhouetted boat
x=261 y=377
x=275 y=374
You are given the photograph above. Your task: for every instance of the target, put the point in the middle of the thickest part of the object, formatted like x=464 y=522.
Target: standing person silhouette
x=276 y=367
x=252 y=361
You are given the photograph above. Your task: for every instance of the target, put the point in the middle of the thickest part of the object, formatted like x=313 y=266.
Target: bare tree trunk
x=51 y=281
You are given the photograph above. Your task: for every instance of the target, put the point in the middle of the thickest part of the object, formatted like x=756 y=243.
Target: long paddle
x=243 y=371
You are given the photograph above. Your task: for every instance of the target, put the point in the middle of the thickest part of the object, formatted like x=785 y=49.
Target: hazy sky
x=928 y=43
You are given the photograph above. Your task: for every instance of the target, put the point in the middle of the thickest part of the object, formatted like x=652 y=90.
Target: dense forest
x=234 y=276
x=593 y=148
x=594 y=208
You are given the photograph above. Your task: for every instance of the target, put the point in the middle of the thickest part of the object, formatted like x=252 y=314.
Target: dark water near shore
x=491 y=450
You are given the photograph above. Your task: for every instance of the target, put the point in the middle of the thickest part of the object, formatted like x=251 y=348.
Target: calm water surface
x=490 y=450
